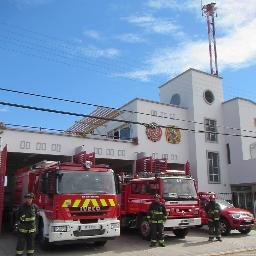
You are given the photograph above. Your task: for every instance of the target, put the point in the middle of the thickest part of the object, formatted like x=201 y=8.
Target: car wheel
x=180 y=233
x=224 y=227
x=245 y=231
x=144 y=228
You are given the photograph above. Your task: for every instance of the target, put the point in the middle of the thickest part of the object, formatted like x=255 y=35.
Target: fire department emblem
x=173 y=135
x=154 y=132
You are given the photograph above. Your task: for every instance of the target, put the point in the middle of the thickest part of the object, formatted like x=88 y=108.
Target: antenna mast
x=208 y=11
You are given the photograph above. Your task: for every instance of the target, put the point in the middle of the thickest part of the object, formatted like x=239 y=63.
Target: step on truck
x=177 y=191
x=77 y=200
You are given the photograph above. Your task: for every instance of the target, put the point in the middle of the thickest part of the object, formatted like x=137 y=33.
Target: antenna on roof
x=209 y=11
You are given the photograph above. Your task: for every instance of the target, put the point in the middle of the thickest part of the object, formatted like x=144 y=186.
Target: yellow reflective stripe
x=103 y=202
x=112 y=202
x=23 y=230
x=30 y=251
x=76 y=203
x=66 y=203
x=30 y=219
x=94 y=202
x=86 y=202
x=19 y=252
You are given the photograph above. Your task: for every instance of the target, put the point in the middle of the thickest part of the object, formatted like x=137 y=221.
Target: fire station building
x=190 y=122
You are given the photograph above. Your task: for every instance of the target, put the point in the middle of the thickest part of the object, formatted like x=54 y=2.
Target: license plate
x=187 y=221
x=91 y=227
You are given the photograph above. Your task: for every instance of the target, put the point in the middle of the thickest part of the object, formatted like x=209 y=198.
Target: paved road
x=130 y=244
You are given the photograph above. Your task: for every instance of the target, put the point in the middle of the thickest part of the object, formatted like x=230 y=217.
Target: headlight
x=60 y=228
x=235 y=215
x=115 y=225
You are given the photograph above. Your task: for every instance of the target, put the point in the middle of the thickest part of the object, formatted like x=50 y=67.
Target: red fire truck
x=77 y=200
x=177 y=191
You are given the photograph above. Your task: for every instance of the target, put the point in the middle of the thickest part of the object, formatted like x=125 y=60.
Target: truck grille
x=93 y=232
x=76 y=211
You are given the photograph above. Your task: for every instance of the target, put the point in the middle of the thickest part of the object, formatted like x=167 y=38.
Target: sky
x=108 y=52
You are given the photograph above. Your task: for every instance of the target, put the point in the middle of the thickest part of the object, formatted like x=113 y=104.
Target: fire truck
x=177 y=191
x=77 y=200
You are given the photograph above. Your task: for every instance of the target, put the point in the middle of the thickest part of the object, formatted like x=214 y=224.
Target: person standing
x=157 y=216
x=26 y=225
x=213 y=212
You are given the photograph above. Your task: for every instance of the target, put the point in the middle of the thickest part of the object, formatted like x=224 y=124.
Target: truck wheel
x=144 y=228
x=100 y=243
x=245 y=231
x=224 y=227
x=180 y=233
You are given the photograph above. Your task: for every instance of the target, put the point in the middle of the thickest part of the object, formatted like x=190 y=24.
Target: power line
x=121 y=110
x=117 y=120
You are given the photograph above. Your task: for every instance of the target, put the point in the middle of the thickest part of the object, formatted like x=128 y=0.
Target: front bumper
x=106 y=229
x=182 y=223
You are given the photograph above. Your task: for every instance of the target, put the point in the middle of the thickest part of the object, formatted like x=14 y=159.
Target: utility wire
x=121 y=110
x=117 y=120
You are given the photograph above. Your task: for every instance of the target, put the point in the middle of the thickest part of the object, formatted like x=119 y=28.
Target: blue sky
x=108 y=52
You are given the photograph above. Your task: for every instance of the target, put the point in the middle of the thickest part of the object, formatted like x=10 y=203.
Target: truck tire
x=100 y=243
x=245 y=231
x=224 y=227
x=180 y=233
x=144 y=228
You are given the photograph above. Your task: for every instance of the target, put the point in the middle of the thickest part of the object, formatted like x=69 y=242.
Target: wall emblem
x=154 y=132
x=173 y=135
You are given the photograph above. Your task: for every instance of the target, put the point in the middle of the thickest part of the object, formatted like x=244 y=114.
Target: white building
x=192 y=122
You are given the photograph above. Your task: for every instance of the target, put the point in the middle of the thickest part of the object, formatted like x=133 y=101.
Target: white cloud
x=236 y=47
x=95 y=52
x=92 y=34
x=131 y=38
x=4 y=110
x=153 y=24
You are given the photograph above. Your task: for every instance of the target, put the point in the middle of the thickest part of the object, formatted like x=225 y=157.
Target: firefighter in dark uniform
x=26 y=225
x=213 y=211
x=157 y=216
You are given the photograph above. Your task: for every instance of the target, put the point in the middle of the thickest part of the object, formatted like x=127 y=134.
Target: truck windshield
x=179 y=189
x=91 y=182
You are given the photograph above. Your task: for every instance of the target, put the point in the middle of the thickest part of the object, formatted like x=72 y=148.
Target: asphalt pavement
x=131 y=244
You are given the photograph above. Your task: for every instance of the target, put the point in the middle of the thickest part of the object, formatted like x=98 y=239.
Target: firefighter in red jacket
x=157 y=216
x=213 y=211
x=26 y=225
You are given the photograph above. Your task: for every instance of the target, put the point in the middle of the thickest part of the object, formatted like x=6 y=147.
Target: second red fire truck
x=177 y=191
x=77 y=200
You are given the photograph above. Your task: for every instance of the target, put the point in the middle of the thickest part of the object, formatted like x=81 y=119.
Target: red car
x=231 y=218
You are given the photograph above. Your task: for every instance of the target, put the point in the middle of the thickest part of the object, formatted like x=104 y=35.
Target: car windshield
x=93 y=182
x=224 y=204
x=179 y=189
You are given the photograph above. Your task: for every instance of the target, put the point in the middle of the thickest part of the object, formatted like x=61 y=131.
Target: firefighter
x=157 y=216
x=213 y=211
x=26 y=225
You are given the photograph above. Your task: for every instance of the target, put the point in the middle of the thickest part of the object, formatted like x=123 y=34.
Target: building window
x=153 y=113
x=165 y=156
x=110 y=152
x=175 y=99
x=209 y=96
x=125 y=133
x=98 y=151
x=213 y=167
x=211 y=130
x=228 y=154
